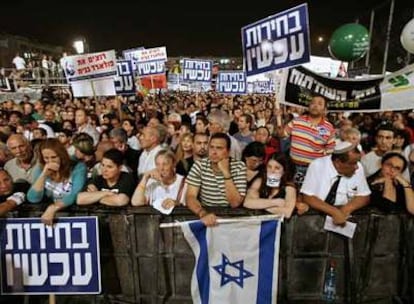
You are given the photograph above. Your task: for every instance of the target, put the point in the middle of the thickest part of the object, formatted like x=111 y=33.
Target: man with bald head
x=21 y=165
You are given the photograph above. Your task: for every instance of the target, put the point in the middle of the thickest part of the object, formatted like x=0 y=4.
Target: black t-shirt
x=382 y=203
x=183 y=166
x=17 y=187
x=124 y=185
x=131 y=157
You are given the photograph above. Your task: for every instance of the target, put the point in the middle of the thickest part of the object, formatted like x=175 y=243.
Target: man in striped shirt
x=216 y=181
x=311 y=136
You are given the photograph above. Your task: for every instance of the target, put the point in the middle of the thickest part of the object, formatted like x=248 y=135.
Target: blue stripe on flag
x=266 y=261
x=202 y=269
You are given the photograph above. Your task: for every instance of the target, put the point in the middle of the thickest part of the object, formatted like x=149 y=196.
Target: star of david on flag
x=236 y=262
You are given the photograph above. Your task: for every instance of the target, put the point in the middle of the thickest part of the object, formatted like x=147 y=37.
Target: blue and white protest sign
x=197 y=70
x=261 y=87
x=124 y=81
x=132 y=54
x=231 y=82
x=39 y=259
x=236 y=262
x=278 y=41
x=148 y=68
x=151 y=61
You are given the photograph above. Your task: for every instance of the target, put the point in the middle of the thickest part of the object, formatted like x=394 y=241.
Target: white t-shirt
x=147 y=160
x=45 y=64
x=154 y=190
x=133 y=143
x=49 y=131
x=320 y=176
x=19 y=63
x=371 y=163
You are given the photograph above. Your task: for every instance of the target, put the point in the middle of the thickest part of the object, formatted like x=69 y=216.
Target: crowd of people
x=42 y=69
x=203 y=150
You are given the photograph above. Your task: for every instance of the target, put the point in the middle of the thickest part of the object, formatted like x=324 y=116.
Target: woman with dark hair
x=113 y=187
x=201 y=125
x=57 y=178
x=104 y=136
x=68 y=125
x=83 y=150
x=390 y=191
x=130 y=128
x=401 y=140
x=253 y=156
x=274 y=189
x=173 y=134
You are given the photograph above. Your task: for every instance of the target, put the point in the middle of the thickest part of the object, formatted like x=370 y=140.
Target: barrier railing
x=141 y=263
x=34 y=77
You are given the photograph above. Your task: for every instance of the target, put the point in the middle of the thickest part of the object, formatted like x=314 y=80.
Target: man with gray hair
x=150 y=140
x=219 y=122
x=21 y=166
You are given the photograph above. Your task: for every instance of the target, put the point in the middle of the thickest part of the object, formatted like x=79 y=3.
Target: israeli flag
x=236 y=262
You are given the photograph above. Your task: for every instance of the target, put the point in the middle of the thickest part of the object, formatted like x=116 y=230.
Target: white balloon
x=407 y=37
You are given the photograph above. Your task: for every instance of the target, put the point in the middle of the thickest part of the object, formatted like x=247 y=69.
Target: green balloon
x=349 y=42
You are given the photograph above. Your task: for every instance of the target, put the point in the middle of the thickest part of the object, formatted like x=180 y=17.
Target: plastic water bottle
x=329 y=288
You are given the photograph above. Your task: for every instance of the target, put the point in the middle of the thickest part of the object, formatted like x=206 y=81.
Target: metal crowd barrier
x=141 y=263
x=35 y=78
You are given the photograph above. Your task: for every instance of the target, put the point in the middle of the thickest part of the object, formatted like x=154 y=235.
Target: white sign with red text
x=158 y=53
x=90 y=66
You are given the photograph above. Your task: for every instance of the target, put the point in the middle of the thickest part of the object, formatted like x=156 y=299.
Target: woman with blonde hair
x=184 y=154
x=57 y=179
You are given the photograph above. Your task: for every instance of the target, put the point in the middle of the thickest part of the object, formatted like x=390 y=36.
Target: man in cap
x=336 y=184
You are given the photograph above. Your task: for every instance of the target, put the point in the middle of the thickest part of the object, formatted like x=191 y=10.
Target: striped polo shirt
x=212 y=188
x=309 y=141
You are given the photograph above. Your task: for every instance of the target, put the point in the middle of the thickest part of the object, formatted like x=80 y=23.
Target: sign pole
x=52 y=299
x=93 y=90
x=152 y=83
x=277 y=103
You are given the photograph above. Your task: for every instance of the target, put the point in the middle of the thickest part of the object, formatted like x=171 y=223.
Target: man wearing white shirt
x=384 y=139
x=150 y=140
x=19 y=63
x=352 y=191
x=32 y=124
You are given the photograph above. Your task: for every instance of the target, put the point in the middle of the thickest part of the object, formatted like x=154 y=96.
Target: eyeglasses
x=391 y=166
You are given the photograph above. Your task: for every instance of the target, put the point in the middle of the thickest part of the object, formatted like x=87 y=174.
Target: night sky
x=183 y=27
